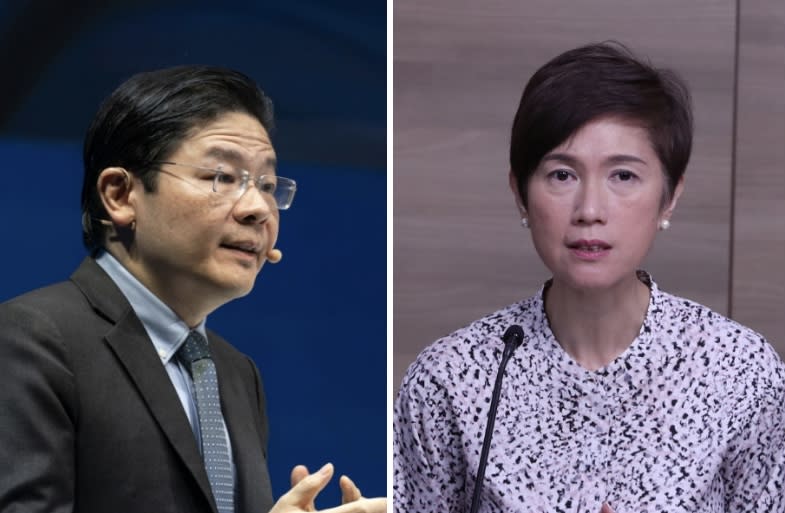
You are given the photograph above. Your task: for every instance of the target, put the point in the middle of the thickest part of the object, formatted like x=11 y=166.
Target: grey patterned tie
x=195 y=355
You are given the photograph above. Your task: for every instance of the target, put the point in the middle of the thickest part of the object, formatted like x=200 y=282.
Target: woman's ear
x=667 y=212
x=517 y=195
x=115 y=187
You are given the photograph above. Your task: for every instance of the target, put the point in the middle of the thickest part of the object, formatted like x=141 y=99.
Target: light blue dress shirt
x=167 y=331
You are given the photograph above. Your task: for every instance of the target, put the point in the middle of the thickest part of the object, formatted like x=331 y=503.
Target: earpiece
x=107 y=222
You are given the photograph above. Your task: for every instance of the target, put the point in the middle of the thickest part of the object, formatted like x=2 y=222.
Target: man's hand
x=606 y=508
x=349 y=491
x=305 y=488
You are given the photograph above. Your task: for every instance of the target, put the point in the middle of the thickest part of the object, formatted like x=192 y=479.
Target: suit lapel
x=137 y=354
x=135 y=351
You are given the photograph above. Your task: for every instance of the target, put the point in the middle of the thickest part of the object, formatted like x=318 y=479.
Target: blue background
x=315 y=323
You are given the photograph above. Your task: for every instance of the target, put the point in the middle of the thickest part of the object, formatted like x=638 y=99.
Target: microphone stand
x=512 y=338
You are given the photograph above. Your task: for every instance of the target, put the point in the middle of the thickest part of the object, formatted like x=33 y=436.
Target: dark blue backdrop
x=315 y=323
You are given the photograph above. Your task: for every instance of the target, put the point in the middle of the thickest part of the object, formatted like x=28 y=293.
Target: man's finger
x=302 y=494
x=376 y=505
x=349 y=491
x=299 y=473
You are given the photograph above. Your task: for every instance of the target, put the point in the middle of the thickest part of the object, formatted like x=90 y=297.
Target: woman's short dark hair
x=594 y=81
x=147 y=118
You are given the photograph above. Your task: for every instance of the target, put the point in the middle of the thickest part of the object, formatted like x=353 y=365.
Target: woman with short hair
x=622 y=397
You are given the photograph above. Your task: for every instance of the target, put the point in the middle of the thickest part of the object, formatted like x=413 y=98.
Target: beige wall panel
x=759 y=244
x=459 y=70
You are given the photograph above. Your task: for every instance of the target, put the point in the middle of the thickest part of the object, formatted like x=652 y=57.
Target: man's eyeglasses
x=233 y=183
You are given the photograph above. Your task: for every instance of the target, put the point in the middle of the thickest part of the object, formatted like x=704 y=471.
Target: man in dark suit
x=114 y=397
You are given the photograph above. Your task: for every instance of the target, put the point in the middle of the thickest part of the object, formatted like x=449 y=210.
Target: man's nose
x=253 y=205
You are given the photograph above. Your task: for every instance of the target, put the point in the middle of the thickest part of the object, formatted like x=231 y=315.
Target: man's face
x=192 y=245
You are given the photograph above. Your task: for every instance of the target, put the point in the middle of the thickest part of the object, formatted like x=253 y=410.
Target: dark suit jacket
x=89 y=420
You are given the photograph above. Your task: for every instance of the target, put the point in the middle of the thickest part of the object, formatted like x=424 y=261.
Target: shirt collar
x=166 y=330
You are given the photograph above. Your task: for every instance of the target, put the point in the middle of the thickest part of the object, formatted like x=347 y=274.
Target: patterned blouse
x=690 y=418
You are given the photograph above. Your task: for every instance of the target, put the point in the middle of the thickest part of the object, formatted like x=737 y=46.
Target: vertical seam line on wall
x=734 y=149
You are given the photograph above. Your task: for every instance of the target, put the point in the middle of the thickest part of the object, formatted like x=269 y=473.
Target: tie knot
x=193 y=349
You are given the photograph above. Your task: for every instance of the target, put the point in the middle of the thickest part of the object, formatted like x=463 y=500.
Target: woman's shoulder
x=681 y=315
x=694 y=328
x=476 y=346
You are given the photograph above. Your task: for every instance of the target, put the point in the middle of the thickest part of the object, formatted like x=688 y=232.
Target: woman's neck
x=594 y=327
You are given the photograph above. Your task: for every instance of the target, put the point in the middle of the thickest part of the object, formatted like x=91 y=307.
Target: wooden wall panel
x=759 y=230
x=459 y=69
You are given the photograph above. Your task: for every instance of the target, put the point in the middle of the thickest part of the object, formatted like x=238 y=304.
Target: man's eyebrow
x=235 y=157
x=227 y=154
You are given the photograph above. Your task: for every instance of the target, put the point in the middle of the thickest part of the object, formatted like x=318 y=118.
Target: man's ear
x=516 y=194
x=116 y=188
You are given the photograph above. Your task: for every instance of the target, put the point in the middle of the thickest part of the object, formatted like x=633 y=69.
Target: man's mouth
x=246 y=247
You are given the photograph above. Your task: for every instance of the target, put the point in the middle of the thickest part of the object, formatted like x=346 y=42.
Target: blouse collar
x=631 y=369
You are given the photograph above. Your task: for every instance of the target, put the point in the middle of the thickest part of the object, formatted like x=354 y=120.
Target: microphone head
x=513 y=335
x=274 y=256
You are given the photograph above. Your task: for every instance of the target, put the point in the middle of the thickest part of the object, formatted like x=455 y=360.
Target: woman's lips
x=589 y=250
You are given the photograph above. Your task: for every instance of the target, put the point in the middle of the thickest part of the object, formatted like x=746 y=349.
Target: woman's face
x=595 y=203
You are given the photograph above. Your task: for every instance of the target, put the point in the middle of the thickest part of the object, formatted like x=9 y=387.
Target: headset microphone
x=274 y=256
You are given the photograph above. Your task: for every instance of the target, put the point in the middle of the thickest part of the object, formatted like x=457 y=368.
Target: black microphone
x=512 y=338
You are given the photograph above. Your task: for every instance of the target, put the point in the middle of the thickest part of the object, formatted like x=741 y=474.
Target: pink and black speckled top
x=691 y=418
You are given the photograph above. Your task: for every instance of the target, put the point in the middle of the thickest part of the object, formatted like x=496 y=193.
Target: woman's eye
x=625 y=176
x=560 y=175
